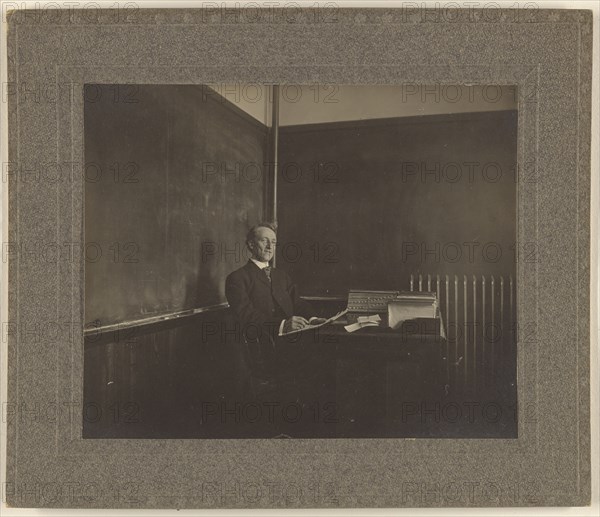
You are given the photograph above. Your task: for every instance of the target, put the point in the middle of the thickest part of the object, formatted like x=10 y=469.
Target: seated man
x=265 y=301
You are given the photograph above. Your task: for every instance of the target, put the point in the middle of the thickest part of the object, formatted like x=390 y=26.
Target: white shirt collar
x=261 y=265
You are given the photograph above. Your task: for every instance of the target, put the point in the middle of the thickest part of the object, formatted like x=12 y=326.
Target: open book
x=315 y=325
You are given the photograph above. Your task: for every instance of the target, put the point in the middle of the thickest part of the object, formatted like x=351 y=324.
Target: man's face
x=263 y=245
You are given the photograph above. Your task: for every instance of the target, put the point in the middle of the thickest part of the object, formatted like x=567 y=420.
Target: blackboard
x=166 y=213
x=363 y=204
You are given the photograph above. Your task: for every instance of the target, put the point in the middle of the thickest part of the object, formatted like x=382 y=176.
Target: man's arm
x=301 y=307
x=236 y=293
x=239 y=301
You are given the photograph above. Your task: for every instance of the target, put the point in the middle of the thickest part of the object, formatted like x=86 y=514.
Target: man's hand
x=294 y=323
x=316 y=321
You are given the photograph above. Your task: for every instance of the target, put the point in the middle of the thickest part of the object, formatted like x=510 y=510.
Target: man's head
x=261 y=241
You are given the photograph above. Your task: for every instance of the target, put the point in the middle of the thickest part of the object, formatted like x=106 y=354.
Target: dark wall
x=152 y=381
x=158 y=212
x=358 y=208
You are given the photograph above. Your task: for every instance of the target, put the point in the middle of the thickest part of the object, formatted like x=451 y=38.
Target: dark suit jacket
x=250 y=296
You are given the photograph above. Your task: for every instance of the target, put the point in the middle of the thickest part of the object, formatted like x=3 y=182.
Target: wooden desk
x=368 y=377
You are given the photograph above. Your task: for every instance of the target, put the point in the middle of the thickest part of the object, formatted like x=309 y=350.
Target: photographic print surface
x=301 y=261
x=145 y=363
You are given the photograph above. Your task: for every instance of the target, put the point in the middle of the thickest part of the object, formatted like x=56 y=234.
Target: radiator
x=478 y=314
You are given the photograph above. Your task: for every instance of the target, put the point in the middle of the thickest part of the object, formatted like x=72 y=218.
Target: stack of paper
x=364 y=321
x=410 y=306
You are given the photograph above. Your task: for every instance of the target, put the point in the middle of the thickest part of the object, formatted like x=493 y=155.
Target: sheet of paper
x=310 y=327
x=375 y=318
x=374 y=322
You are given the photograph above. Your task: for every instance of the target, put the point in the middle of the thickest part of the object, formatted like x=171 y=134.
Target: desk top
x=413 y=335
x=420 y=327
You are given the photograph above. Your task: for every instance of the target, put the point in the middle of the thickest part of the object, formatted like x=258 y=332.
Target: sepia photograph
x=301 y=261
x=288 y=256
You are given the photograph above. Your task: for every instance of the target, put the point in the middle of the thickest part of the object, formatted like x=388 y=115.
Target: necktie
x=267 y=271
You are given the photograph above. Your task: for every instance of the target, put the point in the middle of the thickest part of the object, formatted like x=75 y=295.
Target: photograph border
x=546 y=53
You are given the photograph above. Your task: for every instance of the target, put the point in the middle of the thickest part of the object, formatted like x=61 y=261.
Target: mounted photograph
x=301 y=261
x=297 y=257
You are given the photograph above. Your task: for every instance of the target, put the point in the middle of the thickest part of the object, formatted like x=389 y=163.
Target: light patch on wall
x=335 y=103
x=322 y=103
